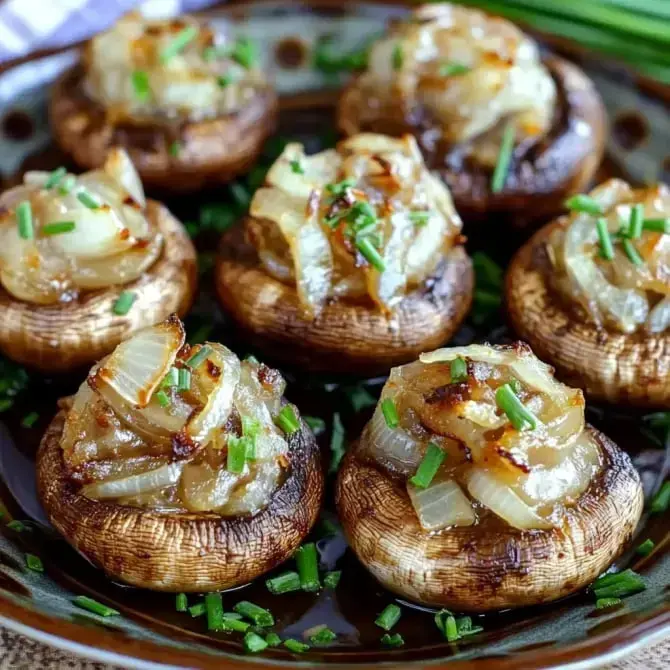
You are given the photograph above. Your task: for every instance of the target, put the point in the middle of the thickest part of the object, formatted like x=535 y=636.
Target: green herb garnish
x=392 y=641
x=244 y=52
x=174 y=149
x=308 y=567
x=123 y=303
x=273 y=639
x=661 y=501
x=296 y=167
x=94 y=606
x=199 y=357
x=458 y=370
x=260 y=616
x=29 y=420
x=86 y=199
x=67 y=184
x=584 y=204
x=178 y=43
x=618 y=585
x=214 y=607
x=419 y=218
x=371 y=255
x=317 y=424
x=323 y=636
x=197 y=610
x=287 y=420
x=606 y=247
x=657 y=225
x=520 y=417
x=55 y=177
x=428 y=467
x=604 y=603
x=284 y=583
x=296 y=646
x=181 y=602
x=254 y=643
x=504 y=159
x=24 y=220
x=632 y=253
x=390 y=413
x=359 y=397
x=57 y=228
x=34 y=563
x=184 y=379
x=645 y=548
x=398 y=57
x=162 y=398
x=332 y=579
x=453 y=69
x=141 y=87
x=389 y=617
x=336 y=443
x=237 y=454
x=636 y=221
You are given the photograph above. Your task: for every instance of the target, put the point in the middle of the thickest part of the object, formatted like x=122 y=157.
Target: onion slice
x=119 y=166
x=441 y=505
x=153 y=480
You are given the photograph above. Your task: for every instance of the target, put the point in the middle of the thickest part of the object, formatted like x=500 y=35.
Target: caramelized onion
x=441 y=505
x=153 y=480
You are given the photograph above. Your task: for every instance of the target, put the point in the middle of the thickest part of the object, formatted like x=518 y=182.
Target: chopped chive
x=5 y=404
x=606 y=248
x=213 y=52
x=337 y=439
x=359 y=397
x=171 y=378
x=67 y=184
x=184 y=383
x=57 y=228
x=419 y=218
x=284 y=583
x=390 y=413
x=465 y=627
x=661 y=501
x=224 y=80
x=636 y=221
x=440 y=619
x=55 y=177
x=34 y=563
x=296 y=167
x=181 y=602
x=504 y=159
x=389 y=617
x=180 y=41
x=24 y=220
x=287 y=420
x=398 y=58
x=197 y=610
x=86 y=199
x=17 y=526
x=214 y=606
x=254 y=643
x=123 y=303
x=632 y=253
x=174 y=149
x=273 y=639
x=392 y=641
x=308 y=567
x=199 y=357
x=323 y=636
x=453 y=69
x=584 y=204
x=428 y=467
x=604 y=603
x=332 y=579
x=645 y=548
x=458 y=370
x=252 y=359
x=296 y=646
x=317 y=424
x=657 y=225
x=371 y=255
x=237 y=454
x=451 y=629
x=261 y=617
x=140 y=83
x=234 y=625
x=520 y=417
x=162 y=398
x=29 y=420
x=244 y=53
x=618 y=585
x=94 y=606
x=339 y=188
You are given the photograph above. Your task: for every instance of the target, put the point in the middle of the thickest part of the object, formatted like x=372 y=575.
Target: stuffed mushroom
x=478 y=486
x=191 y=107
x=351 y=260
x=180 y=468
x=591 y=293
x=85 y=261
x=512 y=133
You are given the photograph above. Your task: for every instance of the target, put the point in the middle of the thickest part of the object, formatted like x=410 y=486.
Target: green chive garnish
x=332 y=579
x=428 y=467
x=162 y=398
x=636 y=221
x=244 y=53
x=604 y=603
x=174 y=149
x=296 y=167
x=67 y=184
x=224 y=80
x=261 y=617
x=337 y=439
x=371 y=255
x=254 y=643
x=398 y=57
x=308 y=567
x=123 y=303
x=657 y=225
x=212 y=53
x=392 y=641
x=453 y=69
x=584 y=204
x=140 y=81
x=284 y=583
x=24 y=220
x=458 y=370
x=231 y=622
x=323 y=636
x=359 y=397
x=171 y=378
x=606 y=248
x=287 y=420
x=29 y=420
x=94 y=606
x=338 y=189
x=632 y=253
x=520 y=417
x=237 y=454
x=661 y=501
x=181 y=602
x=199 y=357
x=184 y=383
x=504 y=159
x=618 y=585
x=57 y=228
x=389 y=617
x=197 y=610
x=419 y=218
x=390 y=413
x=465 y=627
x=34 y=563
x=17 y=526
x=180 y=41
x=295 y=646
x=273 y=639
x=86 y=199
x=451 y=629
x=645 y=548
x=317 y=424
x=55 y=177
x=214 y=607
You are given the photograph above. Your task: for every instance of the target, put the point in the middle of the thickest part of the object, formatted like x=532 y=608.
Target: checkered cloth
x=29 y=25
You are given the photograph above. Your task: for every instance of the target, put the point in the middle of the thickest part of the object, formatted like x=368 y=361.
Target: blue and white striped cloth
x=29 y=25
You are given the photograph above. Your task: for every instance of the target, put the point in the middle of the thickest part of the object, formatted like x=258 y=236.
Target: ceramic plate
x=150 y=633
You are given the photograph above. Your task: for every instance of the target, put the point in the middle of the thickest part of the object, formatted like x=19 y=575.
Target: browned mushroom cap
x=608 y=365
x=59 y=337
x=210 y=152
x=345 y=337
x=182 y=552
x=491 y=565
x=538 y=184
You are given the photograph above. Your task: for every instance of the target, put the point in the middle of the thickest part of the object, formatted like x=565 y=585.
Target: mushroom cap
x=489 y=566
x=536 y=187
x=182 y=552
x=63 y=336
x=609 y=365
x=212 y=151
x=346 y=337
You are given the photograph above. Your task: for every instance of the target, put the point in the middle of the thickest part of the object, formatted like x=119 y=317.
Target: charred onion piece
x=604 y=324
x=73 y=250
x=179 y=488
x=459 y=80
x=353 y=258
x=508 y=516
x=189 y=117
